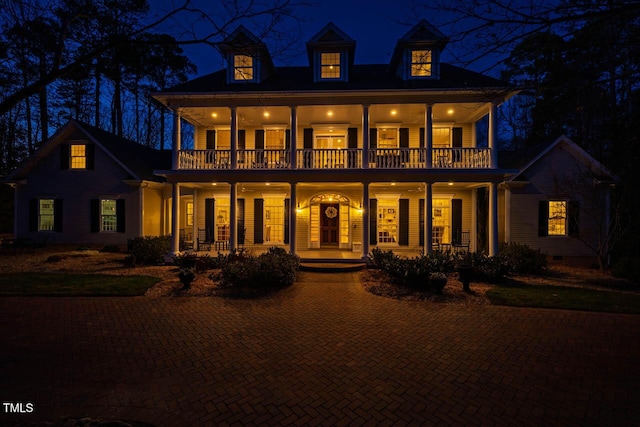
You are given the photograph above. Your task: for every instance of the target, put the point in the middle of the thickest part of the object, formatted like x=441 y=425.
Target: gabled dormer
x=417 y=53
x=331 y=54
x=248 y=59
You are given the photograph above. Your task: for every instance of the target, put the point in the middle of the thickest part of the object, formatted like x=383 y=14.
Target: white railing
x=309 y=158
x=395 y=158
x=461 y=158
x=263 y=159
x=204 y=159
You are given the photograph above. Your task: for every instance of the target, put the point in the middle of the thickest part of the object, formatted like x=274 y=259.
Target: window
x=441 y=137
x=273 y=220
x=388 y=138
x=387 y=221
x=242 y=68
x=274 y=139
x=557 y=221
x=189 y=213
x=46 y=215
x=223 y=140
x=330 y=65
x=421 y=63
x=108 y=218
x=222 y=219
x=78 y=154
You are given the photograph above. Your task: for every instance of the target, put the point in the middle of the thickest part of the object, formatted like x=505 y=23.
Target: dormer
x=331 y=54
x=417 y=53
x=248 y=59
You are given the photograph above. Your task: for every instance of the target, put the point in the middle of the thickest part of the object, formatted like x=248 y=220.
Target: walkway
x=323 y=352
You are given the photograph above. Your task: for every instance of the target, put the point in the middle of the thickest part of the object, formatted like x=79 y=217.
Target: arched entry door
x=329 y=224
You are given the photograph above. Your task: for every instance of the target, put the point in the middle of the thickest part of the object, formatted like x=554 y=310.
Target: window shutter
x=57 y=215
x=373 y=221
x=90 y=153
x=258 y=221
x=287 y=139
x=242 y=138
x=259 y=139
x=209 y=213
x=64 y=156
x=308 y=138
x=240 y=220
x=456 y=220
x=574 y=217
x=403 y=222
x=421 y=143
x=421 y=221
x=352 y=137
x=287 y=203
x=34 y=209
x=404 y=137
x=456 y=137
x=121 y=214
x=373 y=138
x=211 y=139
x=94 y=211
x=543 y=218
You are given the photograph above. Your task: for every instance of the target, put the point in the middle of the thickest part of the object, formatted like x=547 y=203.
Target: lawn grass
x=66 y=284
x=570 y=298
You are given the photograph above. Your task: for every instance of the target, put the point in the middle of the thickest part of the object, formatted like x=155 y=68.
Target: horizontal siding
x=152 y=214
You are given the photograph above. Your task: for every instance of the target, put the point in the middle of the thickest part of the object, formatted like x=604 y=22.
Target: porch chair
x=203 y=243
x=186 y=240
x=462 y=241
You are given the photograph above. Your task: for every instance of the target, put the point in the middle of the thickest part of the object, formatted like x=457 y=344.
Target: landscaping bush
x=274 y=269
x=382 y=259
x=490 y=269
x=442 y=262
x=207 y=262
x=110 y=249
x=411 y=272
x=521 y=259
x=149 y=250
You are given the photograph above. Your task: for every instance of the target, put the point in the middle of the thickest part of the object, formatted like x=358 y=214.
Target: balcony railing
x=308 y=158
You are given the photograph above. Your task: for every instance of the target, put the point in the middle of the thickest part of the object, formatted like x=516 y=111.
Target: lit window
x=387 y=221
x=557 y=218
x=242 y=67
x=46 y=215
x=273 y=220
x=189 y=213
x=441 y=137
x=222 y=220
x=330 y=65
x=78 y=156
x=274 y=139
x=108 y=215
x=388 y=138
x=421 y=63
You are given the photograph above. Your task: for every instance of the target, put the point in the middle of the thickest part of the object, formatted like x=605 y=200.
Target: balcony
x=352 y=158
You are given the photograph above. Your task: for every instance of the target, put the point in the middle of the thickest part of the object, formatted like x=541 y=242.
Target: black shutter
x=421 y=221
x=209 y=218
x=373 y=138
x=57 y=215
x=211 y=139
x=353 y=137
x=258 y=221
x=308 y=138
x=287 y=202
x=242 y=137
x=421 y=144
x=64 y=156
x=543 y=218
x=120 y=216
x=404 y=137
x=34 y=209
x=287 y=139
x=456 y=220
x=90 y=153
x=456 y=137
x=403 y=222
x=574 y=217
x=373 y=221
x=94 y=211
x=259 y=139
x=240 y=221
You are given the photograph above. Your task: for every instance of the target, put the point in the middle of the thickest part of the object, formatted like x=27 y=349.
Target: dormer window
x=330 y=65
x=421 y=61
x=243 y=68
x=78 y=158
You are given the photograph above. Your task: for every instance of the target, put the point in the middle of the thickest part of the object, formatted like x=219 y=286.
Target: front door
x=329 y=217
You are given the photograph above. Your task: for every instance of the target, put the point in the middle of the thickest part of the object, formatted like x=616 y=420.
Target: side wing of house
x=557 y=204
x=74 y=191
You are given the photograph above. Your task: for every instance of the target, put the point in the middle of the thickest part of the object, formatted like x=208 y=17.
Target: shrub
x=149 y=250
x=487 y=268
x=442 y=262
x=627 y=268
x=186 y=260
x=111 y=249
x=382 y=259
x=522 y=259
x=207 y=262
x=273 y=269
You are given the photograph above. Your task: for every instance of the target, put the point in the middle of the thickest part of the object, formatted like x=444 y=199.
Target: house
x=88 y=186
x=327 y=160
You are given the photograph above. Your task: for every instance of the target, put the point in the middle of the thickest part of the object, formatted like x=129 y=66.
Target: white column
x=234 y=138
x=233 y=216
x=293 y=216
x=493 y=219
x=493 y=135
x=365 y=220
x=428 y=219
x=176 y=139
x=175 y=218
x=428 y=135
x=194 y=227
x=507 y=214
x=293 y=140
x=474 y=221
x=365 y=141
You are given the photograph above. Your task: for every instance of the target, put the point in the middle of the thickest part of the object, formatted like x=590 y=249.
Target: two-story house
x=333 y=158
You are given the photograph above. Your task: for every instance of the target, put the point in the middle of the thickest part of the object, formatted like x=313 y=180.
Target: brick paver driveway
x=323 y=352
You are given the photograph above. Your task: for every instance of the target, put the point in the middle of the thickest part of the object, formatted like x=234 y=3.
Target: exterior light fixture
x=330 y=113
x=266 y=114
x=450 y=111
x=214 y=115
x=394 y=112
x=393 y=183
x=267 y=184
x=214 y=183
x=450 y=183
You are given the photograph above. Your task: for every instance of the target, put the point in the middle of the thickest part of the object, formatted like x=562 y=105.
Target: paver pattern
x=323 y=352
